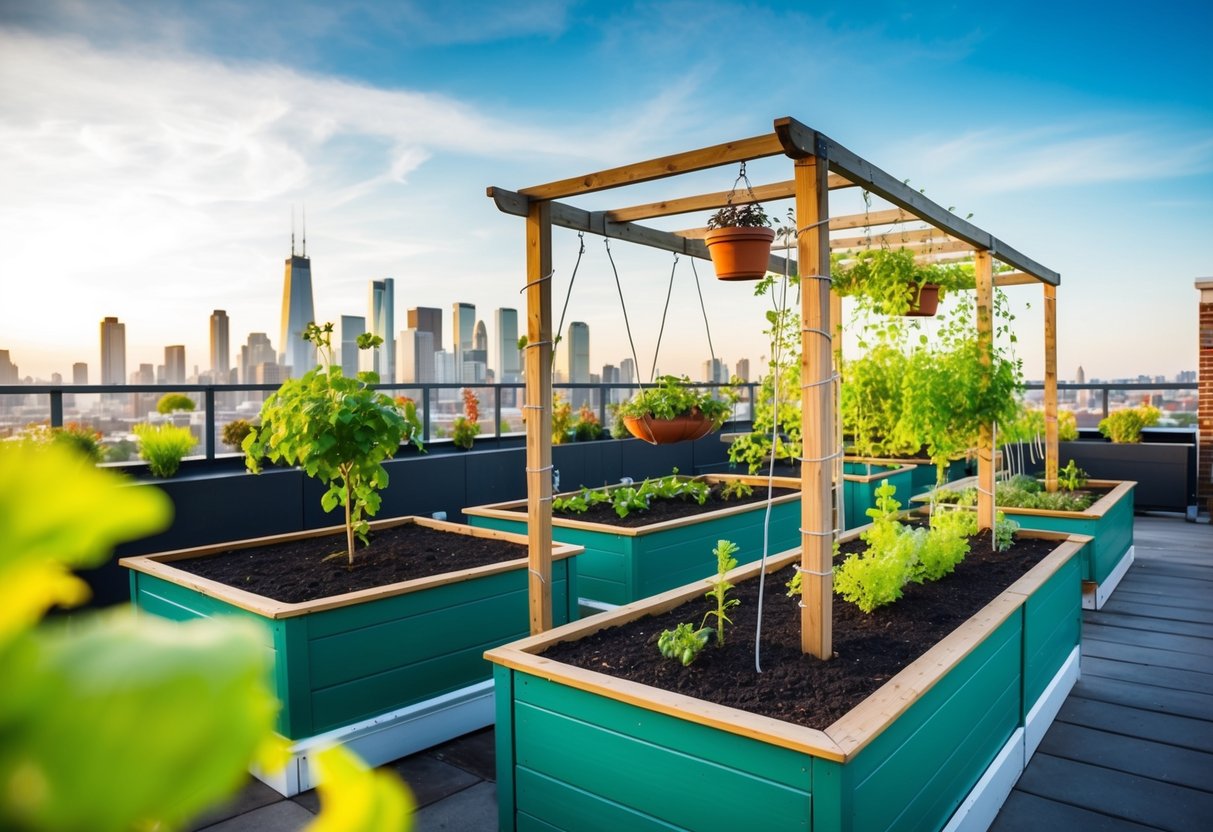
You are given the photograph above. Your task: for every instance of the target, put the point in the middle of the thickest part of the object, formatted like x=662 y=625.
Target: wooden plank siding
x=1132 y=747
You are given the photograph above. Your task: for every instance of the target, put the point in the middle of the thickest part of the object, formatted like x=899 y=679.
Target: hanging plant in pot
x=893 y=283
x=739 y=240
x=673 y=411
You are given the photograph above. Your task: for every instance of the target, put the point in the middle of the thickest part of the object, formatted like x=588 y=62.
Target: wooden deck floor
x=1132 y=747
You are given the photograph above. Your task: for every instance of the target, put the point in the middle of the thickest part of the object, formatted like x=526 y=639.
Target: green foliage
x=796 y=584
x=673 y=396
x=873 y=406
x=120 y=451
x=740 y=216
x=338 y=430
x=724 y=551
x=1004 y=532
x=587 y=427
x=1126 y=425
x=1030 y=424
x=945 y=545
x=875 y=577
x=234 y=432
x=562 y=419
x=888 y=280
x=626 y=498
x=164 y=446
x=1021 y=491
x=1071 y=477
x=171 y=402
x=580 y=502
x=467 y=426
x=77 y=437
x=736 y=490
x=112 y=721
x=683 y=643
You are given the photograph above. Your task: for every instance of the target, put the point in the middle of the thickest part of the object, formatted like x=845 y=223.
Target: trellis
x=819 y=165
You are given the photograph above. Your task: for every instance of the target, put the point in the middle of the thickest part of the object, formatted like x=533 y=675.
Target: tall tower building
x=253 y=354
x=113 y=351
x=573 y=360
x=221 y=362
x=743 y=369
x=298 y=311
x=79 y=373
x=463 y=322
x=427 y=319
x=8 y=370
x=381 y=320
x=351 y=327
x=174 y=364
x=1084 y=396
x=415 y=356
x=504 y=355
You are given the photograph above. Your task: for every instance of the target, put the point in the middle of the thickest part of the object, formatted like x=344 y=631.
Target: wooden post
x=817 y=409
x=538 y=412
x=1050 y=387
x=983 y=269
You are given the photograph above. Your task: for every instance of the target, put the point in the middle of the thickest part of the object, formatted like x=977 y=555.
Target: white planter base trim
x=1042 y=714
x=389 y=736
x=979 y=809
x=1095 y=595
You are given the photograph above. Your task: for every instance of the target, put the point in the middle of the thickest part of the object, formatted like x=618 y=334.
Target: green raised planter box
x=388 y=670
x=922 y=479
x=1108 y=522
x=621 y=565
x=860 y=479
x=938 y=746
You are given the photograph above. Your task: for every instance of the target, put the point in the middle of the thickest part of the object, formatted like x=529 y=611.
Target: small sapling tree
x=338 y=430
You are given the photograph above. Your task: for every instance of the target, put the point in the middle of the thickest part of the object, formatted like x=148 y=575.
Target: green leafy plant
x=673 y=396
x=1071 y=477
x=873 y=403
x=580 y=502
x=1125 y=426
x=945 y=545
x=683 y=642
x=736 y=490
x=467 y=426
x=171 y=402
x=75 y=436
x=627 y=499
x=889 y=280
x=1004 y=532
x=234 y=432
x=751 y=215
x=724 y=551
x=587 y=427
x=163 y=446
x=338 y=430
x=112 y=686
x=562 y=419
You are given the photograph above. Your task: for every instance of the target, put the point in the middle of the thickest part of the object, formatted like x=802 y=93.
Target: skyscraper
x=463 y=323
x=221 y=363
x=8 y=370
x=715 y=370
x=253 y=354
x=79 y=373
x=351 y=327
x=298 y=311
x=573 y=360
x=427 y=319
x=743 y=369
x=1084 y=396
x=113 y=351
x=381 y=317
x=415 y=356
x=174 y=364
x=504 y=355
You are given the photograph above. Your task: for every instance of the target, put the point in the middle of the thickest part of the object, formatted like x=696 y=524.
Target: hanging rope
x=704 y=309
x=665 y=311
x=627 y=326
x=568 y=294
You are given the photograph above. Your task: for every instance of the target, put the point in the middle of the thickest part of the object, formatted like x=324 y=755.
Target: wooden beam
x=984 y=273
x=816 y=412
x=710 y=202
x=800 y=141
x=891 y=239
x=939 y=246
x=595 y=222
x=538 y=411
x=1051 y=429
x=742 y=150
x=1014 y=279
x=868 y=219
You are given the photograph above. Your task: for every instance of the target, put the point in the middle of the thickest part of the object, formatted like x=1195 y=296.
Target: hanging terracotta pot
x=925 y=300
x=740 y=253
x=693 y=425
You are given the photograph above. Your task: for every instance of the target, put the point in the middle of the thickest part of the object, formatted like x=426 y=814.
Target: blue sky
x=151 y=154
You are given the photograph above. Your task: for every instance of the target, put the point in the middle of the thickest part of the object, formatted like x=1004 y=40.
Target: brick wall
x=1204 y=466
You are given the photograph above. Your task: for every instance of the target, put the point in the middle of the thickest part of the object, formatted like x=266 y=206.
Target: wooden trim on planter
x=869 y=478
x=512 y=509
x=160 y=565
x=843 y=739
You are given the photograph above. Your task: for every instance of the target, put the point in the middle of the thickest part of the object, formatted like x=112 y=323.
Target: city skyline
x=166 y=144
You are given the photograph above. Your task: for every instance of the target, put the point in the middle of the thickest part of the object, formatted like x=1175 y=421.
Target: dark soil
x=662 y=510
x=303 y=570
x=869 y=648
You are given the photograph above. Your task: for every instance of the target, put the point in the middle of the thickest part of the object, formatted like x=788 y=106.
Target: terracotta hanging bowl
x=693 y=425
x=740 y=253
x=925 y=302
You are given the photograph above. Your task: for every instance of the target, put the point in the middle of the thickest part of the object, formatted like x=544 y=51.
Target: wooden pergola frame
x=819 y=165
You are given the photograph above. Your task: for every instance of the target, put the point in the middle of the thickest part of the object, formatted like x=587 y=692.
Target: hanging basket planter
x=693 y=425
x=740 y=253
x=924 y=301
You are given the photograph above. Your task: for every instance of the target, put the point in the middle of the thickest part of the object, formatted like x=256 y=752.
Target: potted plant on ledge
x=673 y=411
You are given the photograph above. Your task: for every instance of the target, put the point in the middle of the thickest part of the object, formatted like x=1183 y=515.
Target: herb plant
x=163 y=446
x=337 y=429
x=562 y=419
x=467 y=425
x=1126 y=425
x=1071 y=477
x=672 y=396
x=724 y=551
x=171 y=402
x=736 y=490
x=889 y=280
x=751 y=215
x=683 y=642
x=234 y=432
x=587 y=427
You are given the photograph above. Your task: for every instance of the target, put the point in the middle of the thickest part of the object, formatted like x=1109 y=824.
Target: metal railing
x=1105 y=388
